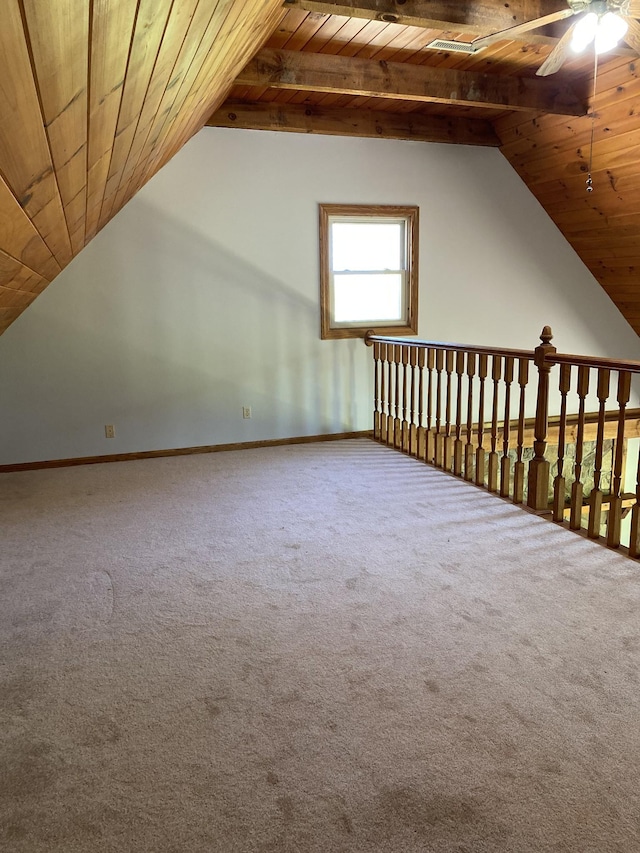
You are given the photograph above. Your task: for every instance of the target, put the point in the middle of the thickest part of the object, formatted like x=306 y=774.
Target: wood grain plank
x=20 y=239
x=476 y=17
x=111 y=34
x=312 y=24
x=613 y=120
x=25 y=160
x=148 y=32
x=239 y=34
x=194 y=49
x=58 y=31
x=363 y=123
x=173 y=104
x=301 y=71
x=243 y=34
x=16 y=277
x=179 y=22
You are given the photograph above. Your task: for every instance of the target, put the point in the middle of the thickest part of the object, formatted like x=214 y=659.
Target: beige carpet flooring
x=309 y=648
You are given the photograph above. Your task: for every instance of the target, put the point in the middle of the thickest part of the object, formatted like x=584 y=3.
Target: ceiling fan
x=605 y=22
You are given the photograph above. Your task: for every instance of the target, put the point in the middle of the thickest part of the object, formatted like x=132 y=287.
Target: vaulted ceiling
x=97 y=95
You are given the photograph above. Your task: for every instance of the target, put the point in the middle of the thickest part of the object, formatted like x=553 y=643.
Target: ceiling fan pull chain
x=589 y=180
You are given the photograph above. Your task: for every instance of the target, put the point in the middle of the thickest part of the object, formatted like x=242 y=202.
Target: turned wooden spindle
x=404 y=428
x=397 y=421
x=496 y=375
x=634 y=541
x=468 y=448
x=438 y=435
x=483 y=363
x=447 y=453
x=538 y=482
x=457 y=444
x=577 y=489
x=376 y=390
x=559 y=483
x=505 y=462
x=412 y=449
x=382 y=427
x=421 y=437
x=615 y=507
x=390 y=394
x=518 y=468
x=429 y=437
x=595 y=498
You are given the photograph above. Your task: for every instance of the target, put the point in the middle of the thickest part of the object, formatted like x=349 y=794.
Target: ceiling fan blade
x=502 y=35
x=632 y=35
x=556 y=58
x=631 y=8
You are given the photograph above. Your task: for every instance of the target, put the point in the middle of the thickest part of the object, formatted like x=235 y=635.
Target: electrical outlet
x=109 y=431
x=246 y=412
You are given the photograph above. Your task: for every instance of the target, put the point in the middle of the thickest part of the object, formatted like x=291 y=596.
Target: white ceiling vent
x=453 y=46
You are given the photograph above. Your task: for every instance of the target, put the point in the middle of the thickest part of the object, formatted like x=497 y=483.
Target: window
x=368 y=270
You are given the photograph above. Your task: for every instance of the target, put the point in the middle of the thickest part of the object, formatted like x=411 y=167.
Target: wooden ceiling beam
x=285 y=69
x=363 y=123
x=449 y=16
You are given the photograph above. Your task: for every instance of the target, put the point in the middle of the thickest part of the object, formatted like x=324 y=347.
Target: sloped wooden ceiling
x=95 y=96
x=552 y=157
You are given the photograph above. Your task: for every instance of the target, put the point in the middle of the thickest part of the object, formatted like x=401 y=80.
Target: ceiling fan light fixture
x=611 y=28
x=607 y=30
x=584 y=32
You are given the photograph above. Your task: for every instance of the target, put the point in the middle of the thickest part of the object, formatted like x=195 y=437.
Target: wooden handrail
x=371 y=339
x=594 y=361
x=555 y=358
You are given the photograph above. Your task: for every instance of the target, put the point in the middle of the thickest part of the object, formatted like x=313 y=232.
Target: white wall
x=202 y=296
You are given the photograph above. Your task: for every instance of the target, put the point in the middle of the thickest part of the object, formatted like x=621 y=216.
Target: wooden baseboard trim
x=180 y=451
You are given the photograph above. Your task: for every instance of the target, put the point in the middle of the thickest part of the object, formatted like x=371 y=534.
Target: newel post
x=538 y=484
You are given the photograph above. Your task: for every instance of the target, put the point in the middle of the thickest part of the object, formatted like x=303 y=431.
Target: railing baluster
x=496 y=374
x=518 y=470
x=439 y=436
x=577 y=489
x=480 y=453
x=404 y=433
x=595 y=499
x=538 y=480
x=411 y=449
x=390 y=351
x=615 y=507
x=457 y=445
x=397 y=423
x=376 y=390
x=468 y=448
x=634 y=540
x=429 y=445
x=421 y=438
x=448 y=440
x=505 y=462
x=559 y=483
x=382 y=430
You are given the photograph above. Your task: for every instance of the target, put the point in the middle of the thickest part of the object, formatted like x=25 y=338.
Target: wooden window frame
x=410 y=213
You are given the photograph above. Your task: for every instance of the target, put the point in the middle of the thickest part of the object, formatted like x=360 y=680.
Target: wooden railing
x=516 y=423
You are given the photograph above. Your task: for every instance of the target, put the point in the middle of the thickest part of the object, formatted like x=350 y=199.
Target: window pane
x=367 y=298
x=367 y=246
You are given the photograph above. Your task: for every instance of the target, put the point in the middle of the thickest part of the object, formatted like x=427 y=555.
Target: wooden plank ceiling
x=97 y=95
